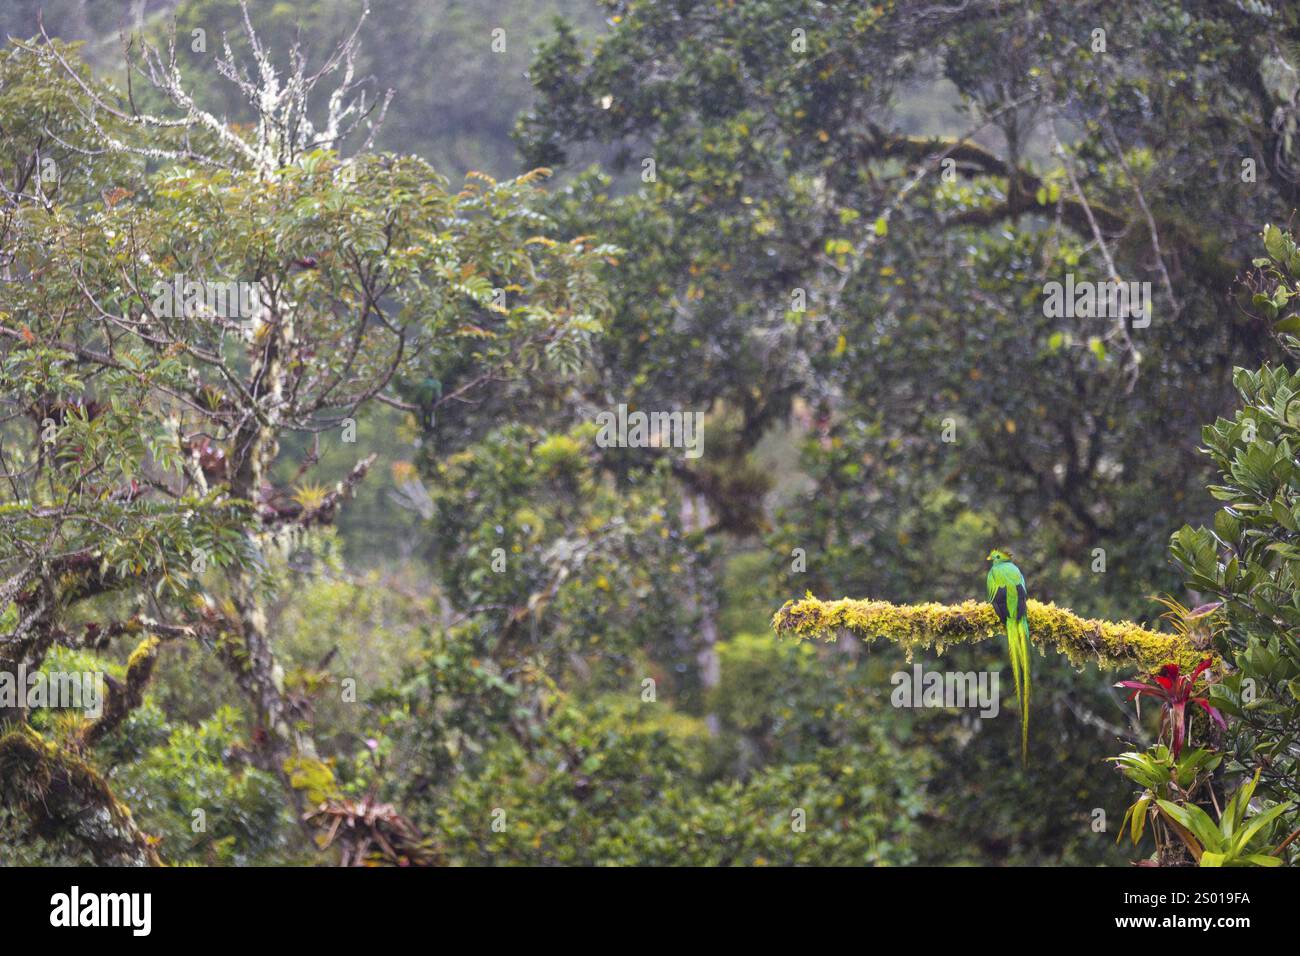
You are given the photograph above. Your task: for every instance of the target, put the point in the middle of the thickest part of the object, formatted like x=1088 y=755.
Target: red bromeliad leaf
x=1174 y=690
x=1139 y=688
x=1213 y=712
x=1178 y=714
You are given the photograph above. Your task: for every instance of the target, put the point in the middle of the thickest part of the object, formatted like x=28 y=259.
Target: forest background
x=827 y=228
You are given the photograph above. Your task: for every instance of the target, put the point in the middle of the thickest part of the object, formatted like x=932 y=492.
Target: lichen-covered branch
x=1109 y=643
x=124 y=697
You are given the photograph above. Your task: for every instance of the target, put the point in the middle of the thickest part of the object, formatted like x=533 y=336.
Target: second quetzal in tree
x=1006 y=586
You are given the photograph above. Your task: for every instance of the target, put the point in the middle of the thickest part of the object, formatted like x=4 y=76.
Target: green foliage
x=556 y=564
x=143 y=418
x=601 y=788
x=1239 y=839
x=184 y=770
x=575 y=636
x=1248 y=558
x=1162 y=776
x=773 y=167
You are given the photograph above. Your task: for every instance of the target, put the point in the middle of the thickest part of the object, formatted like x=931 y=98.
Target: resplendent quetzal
x=1007 y=594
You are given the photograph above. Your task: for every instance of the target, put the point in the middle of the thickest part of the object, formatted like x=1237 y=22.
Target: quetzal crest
x=1006 y=586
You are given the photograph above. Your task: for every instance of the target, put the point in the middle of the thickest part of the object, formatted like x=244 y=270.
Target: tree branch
x=1111 y=644
x=63 y=794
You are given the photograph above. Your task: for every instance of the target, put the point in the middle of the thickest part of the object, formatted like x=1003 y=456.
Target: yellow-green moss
x=313 y=777
x=1109 y=643
x=123 y=698
x=143 y=655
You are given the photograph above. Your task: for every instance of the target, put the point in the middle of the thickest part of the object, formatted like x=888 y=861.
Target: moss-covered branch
x=122 y=698
x=63 y=794
x=1109 y=643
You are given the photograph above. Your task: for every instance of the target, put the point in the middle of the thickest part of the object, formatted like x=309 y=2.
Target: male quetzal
x=1006 y=587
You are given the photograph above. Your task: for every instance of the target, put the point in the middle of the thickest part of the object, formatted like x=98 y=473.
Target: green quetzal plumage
x=1006 y=586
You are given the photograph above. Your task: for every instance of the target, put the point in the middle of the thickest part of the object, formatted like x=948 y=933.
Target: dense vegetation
x=368 y=581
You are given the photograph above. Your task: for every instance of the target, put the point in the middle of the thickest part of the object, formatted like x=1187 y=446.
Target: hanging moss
x=1120 y=644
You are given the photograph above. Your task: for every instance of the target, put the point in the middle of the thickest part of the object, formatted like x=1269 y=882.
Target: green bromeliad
x=1006 y=586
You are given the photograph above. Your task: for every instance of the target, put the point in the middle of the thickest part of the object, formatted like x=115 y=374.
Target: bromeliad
x=1173 y=689
x=1006 y=587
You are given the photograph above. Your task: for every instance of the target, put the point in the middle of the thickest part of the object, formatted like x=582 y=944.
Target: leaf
x=1257 y=823
x=1196 y=820
x=1141 y=769
x=1126 y=822
x=1261 y=859
x=1274 y=242
x=1139 y=824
